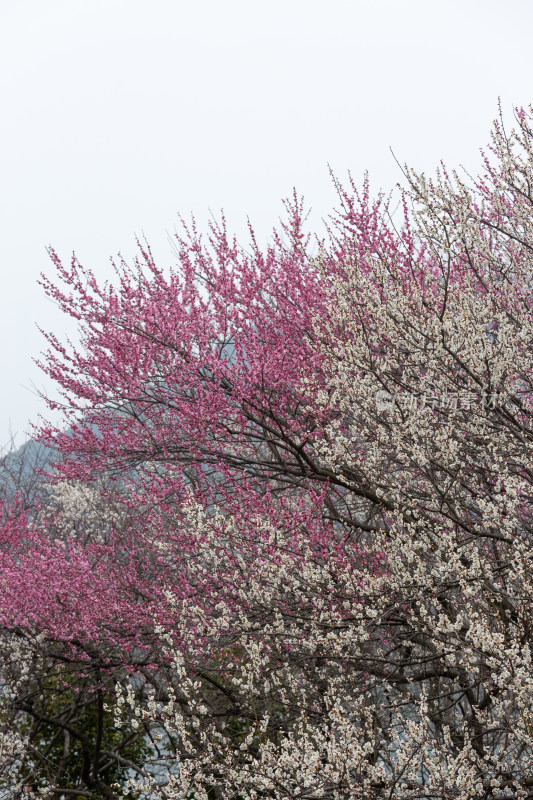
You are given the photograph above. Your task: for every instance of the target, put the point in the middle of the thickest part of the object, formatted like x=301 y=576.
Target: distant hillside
x=20 y=470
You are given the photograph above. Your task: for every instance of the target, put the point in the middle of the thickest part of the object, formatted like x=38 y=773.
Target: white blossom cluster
x=20 y=657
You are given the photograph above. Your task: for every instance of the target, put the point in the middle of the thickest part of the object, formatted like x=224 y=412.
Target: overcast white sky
x=116 y=115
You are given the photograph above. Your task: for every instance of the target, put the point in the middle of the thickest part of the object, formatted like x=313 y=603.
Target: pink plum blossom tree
x=315 y=567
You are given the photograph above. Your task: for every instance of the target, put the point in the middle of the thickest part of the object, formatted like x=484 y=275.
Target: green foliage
x=74 y=741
